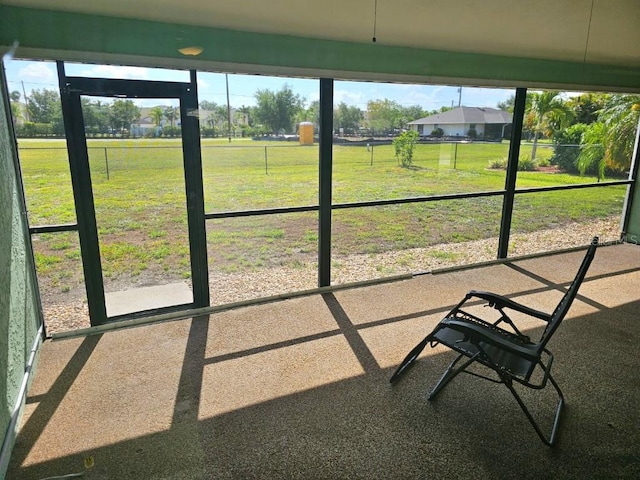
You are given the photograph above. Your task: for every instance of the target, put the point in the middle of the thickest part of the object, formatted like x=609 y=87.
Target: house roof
x=462 y=115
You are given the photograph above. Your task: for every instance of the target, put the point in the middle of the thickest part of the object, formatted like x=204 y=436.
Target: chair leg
x=409 y=359
x=551 y=439
x=449 y=374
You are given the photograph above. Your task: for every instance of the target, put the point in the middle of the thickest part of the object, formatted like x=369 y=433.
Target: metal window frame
x=71 y=90
x=325 y=207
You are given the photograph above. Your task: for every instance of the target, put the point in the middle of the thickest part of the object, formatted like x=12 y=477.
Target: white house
x=488 y=123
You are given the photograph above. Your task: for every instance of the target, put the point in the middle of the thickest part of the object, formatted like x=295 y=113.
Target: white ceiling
x=569 y=30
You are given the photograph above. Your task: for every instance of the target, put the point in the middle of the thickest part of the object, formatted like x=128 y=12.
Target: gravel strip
x=234 y=287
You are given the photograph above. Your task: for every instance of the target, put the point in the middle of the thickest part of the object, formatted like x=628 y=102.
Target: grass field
x=140 y=198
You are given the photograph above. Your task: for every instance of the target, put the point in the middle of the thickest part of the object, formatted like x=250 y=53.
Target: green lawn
x=139 y=191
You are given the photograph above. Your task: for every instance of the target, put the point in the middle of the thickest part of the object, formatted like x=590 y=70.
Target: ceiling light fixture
x=191 y=51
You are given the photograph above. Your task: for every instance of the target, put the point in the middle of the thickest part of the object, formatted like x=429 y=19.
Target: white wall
x=450 y=130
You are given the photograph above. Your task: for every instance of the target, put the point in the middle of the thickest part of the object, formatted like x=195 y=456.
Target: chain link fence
x=112 y=160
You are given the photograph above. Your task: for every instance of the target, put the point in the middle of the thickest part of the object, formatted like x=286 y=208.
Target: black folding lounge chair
x=512 y=355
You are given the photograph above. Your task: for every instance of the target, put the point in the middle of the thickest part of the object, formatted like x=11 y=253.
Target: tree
x=414 y=112
x=210 y=121
x=404 y=145
x=122 y=114
x=207 y=105
x=310 y=114
x=15 y=112
x=620 y=117
x=347 y=117
x=609 y=142
x=221 y=117
x=585 y=107
x=15 y=105
x=385 y=116
x=44 y=106
x=566 y=149
x=592 y=151
x=508 y=104
x=209 y=116
x=277 y=110
x=95 y=115
x=171 y=113
x=156 y=115
x=248 y=112
x=547 y=113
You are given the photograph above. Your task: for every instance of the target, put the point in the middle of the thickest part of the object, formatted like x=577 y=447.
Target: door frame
x=71 y=90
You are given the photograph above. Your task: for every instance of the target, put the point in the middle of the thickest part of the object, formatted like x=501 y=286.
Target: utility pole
x=26 y=101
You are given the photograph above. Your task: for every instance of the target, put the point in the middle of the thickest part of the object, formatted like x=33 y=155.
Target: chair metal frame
x=512 y=355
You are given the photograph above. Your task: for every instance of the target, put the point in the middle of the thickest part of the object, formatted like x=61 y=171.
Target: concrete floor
x=299 y=388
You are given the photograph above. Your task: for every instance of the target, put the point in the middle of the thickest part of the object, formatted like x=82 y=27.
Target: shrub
x=257 y=131
x=525 y=164
x=566 y=147
x=472 y=134
x=498 y=163
x=592 y=152
x=437 y=132
x=404 y=145
x=209 y=132
x=169 y=131
x=31 y=129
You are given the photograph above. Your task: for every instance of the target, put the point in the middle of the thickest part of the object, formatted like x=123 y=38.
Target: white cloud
x=113 y=71
x=39 y=72
x=350 y=97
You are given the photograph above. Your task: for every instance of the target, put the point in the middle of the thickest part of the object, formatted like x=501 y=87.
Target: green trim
x=58 y=33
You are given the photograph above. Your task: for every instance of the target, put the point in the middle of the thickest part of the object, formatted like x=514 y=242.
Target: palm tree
x=246 y=111
x=15 y=105
x=592 y=151
x=156 y=115
x=547 y=112
x=171 y=113
x=609 y=143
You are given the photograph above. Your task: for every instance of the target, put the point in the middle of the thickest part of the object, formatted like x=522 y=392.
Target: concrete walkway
x=299 y=388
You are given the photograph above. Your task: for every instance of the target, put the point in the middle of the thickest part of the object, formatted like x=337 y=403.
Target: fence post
x=455 y=157
x=372 y=154
x=266 y=165
x=106 y=161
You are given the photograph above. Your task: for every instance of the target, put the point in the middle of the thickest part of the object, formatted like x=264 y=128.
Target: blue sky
x=211 y=86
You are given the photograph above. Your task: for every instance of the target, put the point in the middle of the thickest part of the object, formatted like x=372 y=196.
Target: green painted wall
x=19 y=309
x=96 y=38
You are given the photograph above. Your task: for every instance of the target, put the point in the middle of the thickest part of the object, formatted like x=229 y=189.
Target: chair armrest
x=498 y=302
x=477 y=333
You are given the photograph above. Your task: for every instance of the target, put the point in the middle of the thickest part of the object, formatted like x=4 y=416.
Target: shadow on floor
x=318 y=404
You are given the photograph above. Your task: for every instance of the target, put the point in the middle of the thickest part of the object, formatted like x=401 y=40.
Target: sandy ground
x=68 y=312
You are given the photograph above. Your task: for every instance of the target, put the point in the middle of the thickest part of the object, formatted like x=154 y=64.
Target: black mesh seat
x=513 y=356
